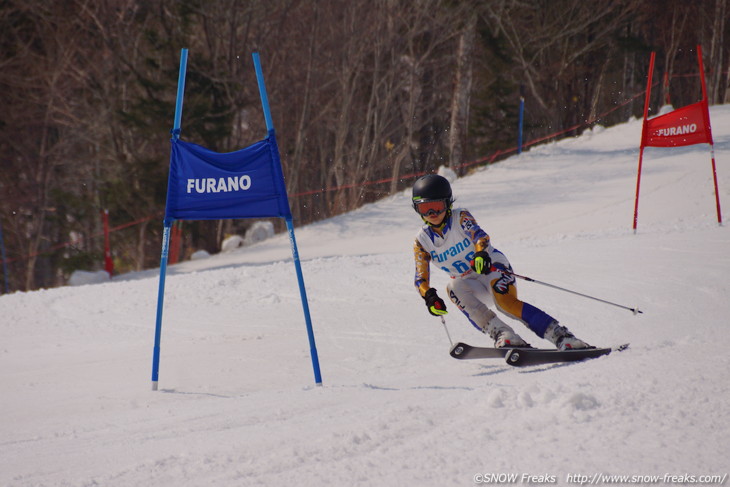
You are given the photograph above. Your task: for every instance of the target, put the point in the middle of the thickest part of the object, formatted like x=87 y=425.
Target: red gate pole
x=643 y=138
x=717 y=194
x=709 y=129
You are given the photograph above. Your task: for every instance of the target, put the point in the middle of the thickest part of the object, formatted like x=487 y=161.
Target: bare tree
x=717 y=53
x=552 y=45
x=672 y=37
x=40 y=88
x=462 y=92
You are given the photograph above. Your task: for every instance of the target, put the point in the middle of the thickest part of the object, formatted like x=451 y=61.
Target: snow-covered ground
x=237 y=403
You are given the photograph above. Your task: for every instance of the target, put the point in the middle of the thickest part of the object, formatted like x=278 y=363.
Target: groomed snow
x=237 y=404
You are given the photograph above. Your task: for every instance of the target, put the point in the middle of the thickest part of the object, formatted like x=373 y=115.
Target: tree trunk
x=460 y=97
x=598 y=85
x=714 y=94
x=674 y=43
x=298 y=157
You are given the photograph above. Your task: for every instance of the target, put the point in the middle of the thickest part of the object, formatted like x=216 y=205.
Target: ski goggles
x=431 y=208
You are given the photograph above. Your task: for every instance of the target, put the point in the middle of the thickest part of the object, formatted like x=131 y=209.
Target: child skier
x=453 y=241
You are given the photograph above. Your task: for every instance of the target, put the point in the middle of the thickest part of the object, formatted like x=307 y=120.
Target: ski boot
x=563 y=338
x=503 y=335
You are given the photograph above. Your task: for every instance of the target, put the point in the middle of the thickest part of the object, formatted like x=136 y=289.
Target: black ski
x=524 y=357
x=462 y=351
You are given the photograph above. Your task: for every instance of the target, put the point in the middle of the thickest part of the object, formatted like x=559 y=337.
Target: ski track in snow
x=237 y=403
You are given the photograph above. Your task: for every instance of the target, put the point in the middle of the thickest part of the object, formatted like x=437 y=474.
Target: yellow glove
x=482 y=264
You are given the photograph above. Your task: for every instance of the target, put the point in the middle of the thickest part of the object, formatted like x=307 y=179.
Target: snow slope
x=237 y=403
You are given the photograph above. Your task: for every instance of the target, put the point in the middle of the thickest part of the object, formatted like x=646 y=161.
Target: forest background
x=365 y=95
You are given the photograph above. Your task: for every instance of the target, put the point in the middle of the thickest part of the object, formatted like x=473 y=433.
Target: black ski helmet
x=432 y=187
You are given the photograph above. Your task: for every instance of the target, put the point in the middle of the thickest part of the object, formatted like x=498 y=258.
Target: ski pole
x=529 y=279
x=443 y=322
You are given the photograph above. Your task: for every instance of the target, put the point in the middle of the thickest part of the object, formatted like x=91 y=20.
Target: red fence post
x=108 y=262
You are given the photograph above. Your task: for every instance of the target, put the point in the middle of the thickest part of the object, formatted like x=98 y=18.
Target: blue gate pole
x=290 y=227
x=167 y=224
x=305 y=303
x=522 y=113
